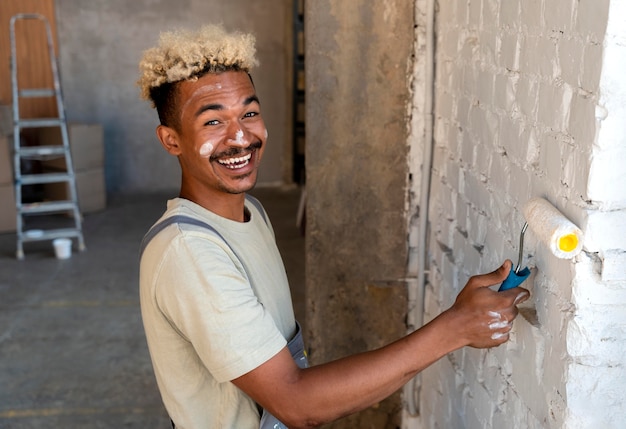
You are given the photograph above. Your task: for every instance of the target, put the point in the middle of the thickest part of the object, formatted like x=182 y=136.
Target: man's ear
x=169 y=139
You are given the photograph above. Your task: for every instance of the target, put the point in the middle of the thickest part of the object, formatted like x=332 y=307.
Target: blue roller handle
x=514 y=279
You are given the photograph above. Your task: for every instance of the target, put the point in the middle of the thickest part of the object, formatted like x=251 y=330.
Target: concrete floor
x=72 y=347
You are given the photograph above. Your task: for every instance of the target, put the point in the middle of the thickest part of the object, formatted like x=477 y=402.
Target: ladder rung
x=32 y=179
x=37 y=92
x=48 y=207
x=43 y=122
x=50 y=234
x=42 y=150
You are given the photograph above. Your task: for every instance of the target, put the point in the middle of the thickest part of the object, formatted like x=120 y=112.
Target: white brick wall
x=530 y=100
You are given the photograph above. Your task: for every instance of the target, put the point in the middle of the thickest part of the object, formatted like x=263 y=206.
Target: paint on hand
x=521 y=297
x=206 y=149
x=498 y=324
x=498 y=335
x=497 y=316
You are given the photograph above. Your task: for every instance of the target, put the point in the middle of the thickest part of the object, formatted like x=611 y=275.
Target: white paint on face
x=239 y=137
x=199 y=92
x=266 y=134
x=206 y=149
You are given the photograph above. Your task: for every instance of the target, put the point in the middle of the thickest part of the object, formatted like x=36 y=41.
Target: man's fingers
x=492 y=278
x=517 y=294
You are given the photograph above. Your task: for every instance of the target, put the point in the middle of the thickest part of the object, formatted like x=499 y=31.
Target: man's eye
x=250 y=114
x=212 y=122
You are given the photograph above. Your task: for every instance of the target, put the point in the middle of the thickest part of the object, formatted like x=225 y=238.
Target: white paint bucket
x=62 y=248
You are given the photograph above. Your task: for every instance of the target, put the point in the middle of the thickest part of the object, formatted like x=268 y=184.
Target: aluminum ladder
x=42 y=152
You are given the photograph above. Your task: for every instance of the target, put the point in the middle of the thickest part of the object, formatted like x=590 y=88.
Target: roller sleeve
x=551 y=227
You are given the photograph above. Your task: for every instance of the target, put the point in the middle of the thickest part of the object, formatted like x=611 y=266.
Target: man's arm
x=302 y=398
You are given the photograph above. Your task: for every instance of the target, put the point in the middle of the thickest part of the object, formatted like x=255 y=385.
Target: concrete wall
x=358 y=56
x=101 y=44
x=530 y=102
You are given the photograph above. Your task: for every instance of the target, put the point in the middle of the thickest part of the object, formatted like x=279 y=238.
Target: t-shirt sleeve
x=203 y=291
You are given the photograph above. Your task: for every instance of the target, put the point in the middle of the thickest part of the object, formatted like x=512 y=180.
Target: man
x=215 y=299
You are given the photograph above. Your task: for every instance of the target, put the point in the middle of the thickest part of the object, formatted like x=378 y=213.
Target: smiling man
x=220 y=140
x=225 y=347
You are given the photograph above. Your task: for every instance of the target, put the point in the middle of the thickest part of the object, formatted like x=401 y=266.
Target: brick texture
x=530 y=102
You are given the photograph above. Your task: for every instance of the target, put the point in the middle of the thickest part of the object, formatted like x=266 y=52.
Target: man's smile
x=235 y=159
x=234 y=163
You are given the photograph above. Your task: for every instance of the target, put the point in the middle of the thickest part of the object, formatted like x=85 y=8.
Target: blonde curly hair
x=187 y=55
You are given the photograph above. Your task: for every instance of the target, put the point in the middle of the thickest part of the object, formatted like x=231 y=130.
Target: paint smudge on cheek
x=206 y=149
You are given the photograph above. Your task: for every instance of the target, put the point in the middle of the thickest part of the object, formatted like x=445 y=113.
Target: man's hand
x=482 y=316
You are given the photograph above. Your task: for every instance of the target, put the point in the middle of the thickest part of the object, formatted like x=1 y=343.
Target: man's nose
x=238 y=136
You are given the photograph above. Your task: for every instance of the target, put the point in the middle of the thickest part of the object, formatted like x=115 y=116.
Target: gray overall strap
x=298 y=353
x=256 y=203
x=193 y=221
x=178 y=219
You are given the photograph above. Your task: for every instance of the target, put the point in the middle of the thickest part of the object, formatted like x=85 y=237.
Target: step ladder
x=71 y=227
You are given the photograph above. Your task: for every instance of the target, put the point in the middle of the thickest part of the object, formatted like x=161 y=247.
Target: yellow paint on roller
x=552 y=228
x=568 y=242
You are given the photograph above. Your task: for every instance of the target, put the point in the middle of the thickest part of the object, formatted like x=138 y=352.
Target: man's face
x=222 y=134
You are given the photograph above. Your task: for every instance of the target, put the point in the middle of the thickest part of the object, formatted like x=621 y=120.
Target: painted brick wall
x=530 y=101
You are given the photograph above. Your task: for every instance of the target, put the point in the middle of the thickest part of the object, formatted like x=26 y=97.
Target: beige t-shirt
x=206 y=322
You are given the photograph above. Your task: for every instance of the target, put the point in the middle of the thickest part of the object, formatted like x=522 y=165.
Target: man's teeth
x=236 y=162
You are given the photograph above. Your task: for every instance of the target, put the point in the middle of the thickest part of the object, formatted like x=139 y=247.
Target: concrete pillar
x=358 y=60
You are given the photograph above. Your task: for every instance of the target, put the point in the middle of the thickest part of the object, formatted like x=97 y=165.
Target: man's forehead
x=230 y=80
x=226 y=87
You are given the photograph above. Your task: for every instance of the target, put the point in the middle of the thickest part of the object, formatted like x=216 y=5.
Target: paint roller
x=553 y=229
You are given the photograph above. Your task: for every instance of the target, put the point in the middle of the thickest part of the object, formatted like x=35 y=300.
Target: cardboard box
x=8 y=214
x=86 y=146
x=90 y=187
x=6 y=160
